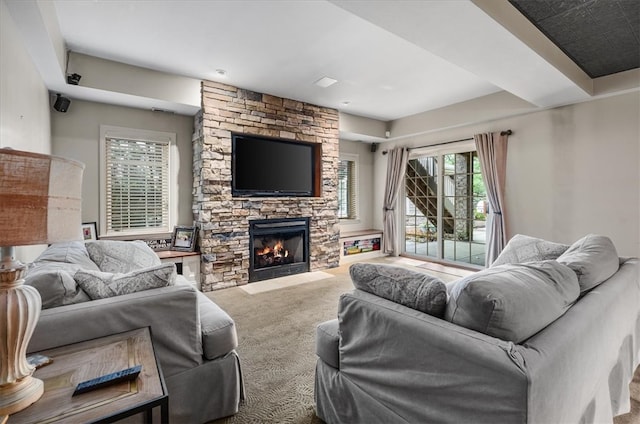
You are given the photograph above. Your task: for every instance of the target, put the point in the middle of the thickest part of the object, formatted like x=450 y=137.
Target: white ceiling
x=391 y=58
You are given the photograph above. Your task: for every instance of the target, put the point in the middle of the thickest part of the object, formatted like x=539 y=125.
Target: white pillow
x=521 y=249
x=54 y=281
x=593 y=258
x=121 y=256
x=513 y=302
x=70 y=252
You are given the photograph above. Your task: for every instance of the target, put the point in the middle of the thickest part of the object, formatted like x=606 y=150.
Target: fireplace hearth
x=278 y=247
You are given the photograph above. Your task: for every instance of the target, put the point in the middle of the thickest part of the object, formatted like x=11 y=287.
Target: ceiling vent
x=325 y=82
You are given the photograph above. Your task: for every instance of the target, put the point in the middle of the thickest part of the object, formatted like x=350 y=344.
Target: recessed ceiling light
x=221 y=72
x=345 y=103
x=325 y=82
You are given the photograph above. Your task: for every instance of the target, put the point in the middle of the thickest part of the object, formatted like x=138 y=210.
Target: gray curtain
x=396 y=166
x=492 y=152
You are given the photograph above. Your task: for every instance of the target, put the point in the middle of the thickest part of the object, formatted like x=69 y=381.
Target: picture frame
x=184 y=238
x=89 y=231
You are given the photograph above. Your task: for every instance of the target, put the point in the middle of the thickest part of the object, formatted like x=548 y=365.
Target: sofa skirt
x=338 y=400
x=190 y=403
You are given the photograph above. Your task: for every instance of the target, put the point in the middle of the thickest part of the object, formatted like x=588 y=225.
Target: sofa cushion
x=219 y=335
x=415 y=290
x=513 y=302
x=54 y=281
x=72 y=252
x=121 y=256
x=593 y=258
x=523 y=248
x=100 y=285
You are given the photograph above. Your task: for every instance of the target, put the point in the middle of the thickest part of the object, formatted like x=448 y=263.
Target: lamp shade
x=40 y=198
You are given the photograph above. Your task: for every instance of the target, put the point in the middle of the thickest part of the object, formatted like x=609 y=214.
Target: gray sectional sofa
x=122 y=286
x=549 y=334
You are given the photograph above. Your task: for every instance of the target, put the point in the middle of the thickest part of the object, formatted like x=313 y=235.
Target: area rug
x=276 y=344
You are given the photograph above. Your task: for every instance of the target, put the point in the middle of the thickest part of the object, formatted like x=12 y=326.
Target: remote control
x=107 y=380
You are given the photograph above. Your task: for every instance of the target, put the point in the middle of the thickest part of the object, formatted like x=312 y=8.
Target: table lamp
x=40 y=203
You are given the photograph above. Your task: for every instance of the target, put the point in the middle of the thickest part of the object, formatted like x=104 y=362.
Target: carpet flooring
x=276 y=343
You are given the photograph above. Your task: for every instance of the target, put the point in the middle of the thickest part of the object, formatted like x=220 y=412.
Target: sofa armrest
x=328 y=342
x=219 y=335
x=422 y=367
x=601 y=334
x=171 y=312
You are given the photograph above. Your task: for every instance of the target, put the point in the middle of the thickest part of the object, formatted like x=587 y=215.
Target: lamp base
x=17 y=396
x=19 y=311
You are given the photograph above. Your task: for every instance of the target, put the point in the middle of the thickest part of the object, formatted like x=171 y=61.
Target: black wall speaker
x=62 y=103
x=73 y=79
x=374 y=147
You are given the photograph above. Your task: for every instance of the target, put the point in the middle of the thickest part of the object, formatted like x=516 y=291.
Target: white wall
x=364 y=181
x=571 y=170
x=76 y=134
x=24 y=99
x=24 y=103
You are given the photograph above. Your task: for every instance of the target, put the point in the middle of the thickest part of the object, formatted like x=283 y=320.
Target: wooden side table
x=78 y=362
x=187 y=264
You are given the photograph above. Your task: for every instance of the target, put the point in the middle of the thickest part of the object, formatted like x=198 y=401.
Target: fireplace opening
x=273 y=252
x=278 y=247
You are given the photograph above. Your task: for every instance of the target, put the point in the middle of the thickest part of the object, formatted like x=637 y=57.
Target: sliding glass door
x=445 y=207
x=422 y=206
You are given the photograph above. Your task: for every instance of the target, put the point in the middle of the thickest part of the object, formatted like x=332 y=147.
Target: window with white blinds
x=136 y=195
x=347 y=189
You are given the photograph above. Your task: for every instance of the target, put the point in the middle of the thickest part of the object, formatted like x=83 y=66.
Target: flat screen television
x=264 y=166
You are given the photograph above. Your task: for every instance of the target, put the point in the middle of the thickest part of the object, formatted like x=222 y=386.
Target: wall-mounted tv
x=264 y=166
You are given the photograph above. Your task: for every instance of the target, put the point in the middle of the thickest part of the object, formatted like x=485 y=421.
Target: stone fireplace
x=224 y=219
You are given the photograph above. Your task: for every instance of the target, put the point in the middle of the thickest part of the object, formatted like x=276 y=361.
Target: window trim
x=109 y=131
x=459 y=147
x=353 y=157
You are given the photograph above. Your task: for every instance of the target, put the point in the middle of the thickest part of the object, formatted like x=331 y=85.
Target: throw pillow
x=513 y=302
x=121 y=256
x=100 y=285
x=413 y=289
x=72 y=252
x=523 y=248
x=54 y=281
x=593 y=258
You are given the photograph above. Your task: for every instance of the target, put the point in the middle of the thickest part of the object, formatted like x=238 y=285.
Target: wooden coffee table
x=78 y=362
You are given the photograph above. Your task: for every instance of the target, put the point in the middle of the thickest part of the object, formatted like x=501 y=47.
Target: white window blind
x=137 y=185
x=347 y=189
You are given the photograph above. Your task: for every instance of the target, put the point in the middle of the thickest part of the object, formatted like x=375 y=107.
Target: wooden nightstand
x=187 y=264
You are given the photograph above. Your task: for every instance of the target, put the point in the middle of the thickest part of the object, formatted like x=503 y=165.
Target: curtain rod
x=507 y=132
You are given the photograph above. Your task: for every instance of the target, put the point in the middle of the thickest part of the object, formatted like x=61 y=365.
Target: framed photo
x=89 y=231
x=184 y=239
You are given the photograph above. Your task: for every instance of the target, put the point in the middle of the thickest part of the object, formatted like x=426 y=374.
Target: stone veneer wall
x=224 y=220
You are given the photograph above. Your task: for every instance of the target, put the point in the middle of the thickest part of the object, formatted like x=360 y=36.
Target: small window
x=135 y=190
x=347 y=189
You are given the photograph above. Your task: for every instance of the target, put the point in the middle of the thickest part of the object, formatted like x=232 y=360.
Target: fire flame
x=278 y=250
